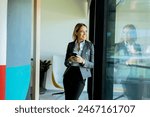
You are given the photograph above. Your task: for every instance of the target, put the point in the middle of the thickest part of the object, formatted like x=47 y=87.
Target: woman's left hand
x=79 y=59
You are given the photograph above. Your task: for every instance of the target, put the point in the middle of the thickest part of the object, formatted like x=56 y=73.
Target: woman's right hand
x=72 y=59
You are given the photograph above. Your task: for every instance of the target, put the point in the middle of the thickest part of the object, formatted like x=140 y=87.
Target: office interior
x=34 y=31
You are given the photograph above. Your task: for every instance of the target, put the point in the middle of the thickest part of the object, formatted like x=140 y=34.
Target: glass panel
x=128 y=49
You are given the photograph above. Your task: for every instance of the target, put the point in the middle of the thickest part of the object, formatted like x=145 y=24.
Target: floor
x=117 y=91
x=48 y=95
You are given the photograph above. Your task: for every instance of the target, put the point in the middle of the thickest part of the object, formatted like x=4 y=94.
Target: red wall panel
x=2 y=81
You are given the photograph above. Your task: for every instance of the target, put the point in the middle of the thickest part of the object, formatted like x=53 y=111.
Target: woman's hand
x=72 y=59
x=132 y=50
x=79 y=59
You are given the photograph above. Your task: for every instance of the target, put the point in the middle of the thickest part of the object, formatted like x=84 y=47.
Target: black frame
x=96 y=35
x=102 y=86
x=99 y=56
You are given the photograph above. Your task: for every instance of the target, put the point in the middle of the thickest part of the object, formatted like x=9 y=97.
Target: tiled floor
x=48 y=95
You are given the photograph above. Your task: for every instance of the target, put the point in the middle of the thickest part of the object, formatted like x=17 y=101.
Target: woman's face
x=128 y=35
x=82 y=33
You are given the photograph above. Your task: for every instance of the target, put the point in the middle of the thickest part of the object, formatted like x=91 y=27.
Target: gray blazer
x=87 y=54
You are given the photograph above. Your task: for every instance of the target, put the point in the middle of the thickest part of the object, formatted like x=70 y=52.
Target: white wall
x=58 y=18
x=3 y=31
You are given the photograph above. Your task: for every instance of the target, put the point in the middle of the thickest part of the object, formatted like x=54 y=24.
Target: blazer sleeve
x=67 y=63
x=137 y=47
x=90 y=63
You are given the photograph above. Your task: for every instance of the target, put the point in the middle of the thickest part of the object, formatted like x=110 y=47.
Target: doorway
x=56 y=25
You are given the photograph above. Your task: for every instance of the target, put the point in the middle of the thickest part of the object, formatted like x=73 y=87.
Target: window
x=128 y=49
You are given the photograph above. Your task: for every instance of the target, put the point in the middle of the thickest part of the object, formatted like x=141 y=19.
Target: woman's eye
x=83 y=31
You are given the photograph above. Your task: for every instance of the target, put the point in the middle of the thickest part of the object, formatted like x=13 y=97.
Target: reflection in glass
x=128 y=50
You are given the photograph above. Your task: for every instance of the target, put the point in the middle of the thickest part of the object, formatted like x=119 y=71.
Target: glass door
x=128 y=49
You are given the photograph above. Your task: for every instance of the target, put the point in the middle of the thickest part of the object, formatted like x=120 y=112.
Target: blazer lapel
x=72 y=46
x=85 y=47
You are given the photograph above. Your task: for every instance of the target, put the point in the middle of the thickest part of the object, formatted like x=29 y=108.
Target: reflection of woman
x=128 y=47
x=128 y=52
x=79 y=61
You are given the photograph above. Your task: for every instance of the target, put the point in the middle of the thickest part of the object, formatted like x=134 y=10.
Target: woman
x=79 y=62
x=128 y=46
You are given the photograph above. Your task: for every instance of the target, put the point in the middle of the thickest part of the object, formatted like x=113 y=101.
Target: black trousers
x=73 y=83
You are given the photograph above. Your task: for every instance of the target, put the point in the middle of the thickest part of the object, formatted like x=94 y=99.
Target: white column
x=36 y=47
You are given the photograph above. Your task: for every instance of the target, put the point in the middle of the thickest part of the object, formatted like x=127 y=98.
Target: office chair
x=58 y=69
x=57 y=85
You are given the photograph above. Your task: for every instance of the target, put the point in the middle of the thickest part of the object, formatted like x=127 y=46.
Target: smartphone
x=74 y=54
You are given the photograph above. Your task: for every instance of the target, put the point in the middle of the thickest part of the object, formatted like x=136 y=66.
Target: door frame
x=36 y=35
